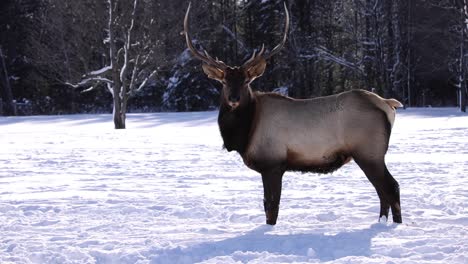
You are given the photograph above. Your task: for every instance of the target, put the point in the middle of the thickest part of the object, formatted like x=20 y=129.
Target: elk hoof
x=397 y=219
x=271 y=217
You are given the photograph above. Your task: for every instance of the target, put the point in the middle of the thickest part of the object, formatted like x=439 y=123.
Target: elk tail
x=394 y=103
x=387 y=105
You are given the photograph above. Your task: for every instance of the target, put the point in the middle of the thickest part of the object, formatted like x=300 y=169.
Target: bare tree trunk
x=397 y=73
x=367 y=53
x=9 y=107
x=408 y=58
x=464 y=97
x=119 y=118
x=118 y=113
x=390 y=49
x=235 y=30
x=462 y=88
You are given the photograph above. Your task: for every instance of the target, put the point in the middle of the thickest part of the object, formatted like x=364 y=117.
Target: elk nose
x=234 y=98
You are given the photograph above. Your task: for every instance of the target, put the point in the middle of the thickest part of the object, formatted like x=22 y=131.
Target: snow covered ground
x=74 y=190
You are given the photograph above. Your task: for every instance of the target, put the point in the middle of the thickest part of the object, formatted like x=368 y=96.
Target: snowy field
x=74 y=190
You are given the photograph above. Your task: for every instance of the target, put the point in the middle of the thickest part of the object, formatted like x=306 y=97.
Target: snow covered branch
x=101 y=71
x=151 y=76
x=89 y=81
x=323 y=53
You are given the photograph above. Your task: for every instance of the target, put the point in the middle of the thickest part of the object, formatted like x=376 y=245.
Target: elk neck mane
x=236 y=125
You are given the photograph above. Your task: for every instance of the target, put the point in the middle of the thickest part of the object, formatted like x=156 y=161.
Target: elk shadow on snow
x=324 y=247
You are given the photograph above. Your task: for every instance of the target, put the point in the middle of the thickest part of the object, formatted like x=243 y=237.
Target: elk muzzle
x=233 y=101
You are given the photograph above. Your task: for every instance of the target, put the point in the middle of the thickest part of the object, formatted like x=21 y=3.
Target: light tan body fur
x=314 y=134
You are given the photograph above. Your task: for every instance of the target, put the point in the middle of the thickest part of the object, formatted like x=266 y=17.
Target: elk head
x=235 y=80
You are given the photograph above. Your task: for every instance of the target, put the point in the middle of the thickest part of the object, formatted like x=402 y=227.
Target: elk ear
x=257 y=69
x=213 y=72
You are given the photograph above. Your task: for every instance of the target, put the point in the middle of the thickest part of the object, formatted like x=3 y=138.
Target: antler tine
x=285 y=36
x=255 y=57
x=219 y=63
x=262 y=50
x=204 y=57
x=251 y=58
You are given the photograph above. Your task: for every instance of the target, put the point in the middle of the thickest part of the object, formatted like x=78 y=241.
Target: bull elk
x=275 y=133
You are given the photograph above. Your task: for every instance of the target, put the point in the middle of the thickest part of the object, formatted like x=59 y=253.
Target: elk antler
x=255 y=58
x=204 y=57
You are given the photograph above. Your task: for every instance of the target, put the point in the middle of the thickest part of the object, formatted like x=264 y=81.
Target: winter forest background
x=63 y=57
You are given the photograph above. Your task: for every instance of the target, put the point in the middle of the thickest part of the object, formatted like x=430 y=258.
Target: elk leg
x=384 y=205
x=392 y=188
x=272 y=180
x=386 y=186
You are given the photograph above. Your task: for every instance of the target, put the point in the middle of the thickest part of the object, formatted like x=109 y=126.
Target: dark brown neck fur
x=235 y=125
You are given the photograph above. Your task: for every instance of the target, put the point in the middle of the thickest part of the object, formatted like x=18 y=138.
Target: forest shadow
x=150 y=120
x=324 y=247
x=50 y=119
x=158 y=119
x=134 y=120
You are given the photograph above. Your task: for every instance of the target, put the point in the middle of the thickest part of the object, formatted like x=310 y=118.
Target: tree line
x=63 y=56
